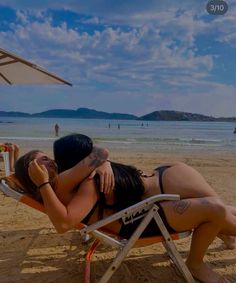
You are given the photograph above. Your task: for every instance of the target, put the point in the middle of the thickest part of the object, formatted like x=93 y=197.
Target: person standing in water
x=57 y=130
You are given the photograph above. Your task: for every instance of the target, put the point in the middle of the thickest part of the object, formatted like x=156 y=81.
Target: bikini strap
x=160 y=171
x=89 y=215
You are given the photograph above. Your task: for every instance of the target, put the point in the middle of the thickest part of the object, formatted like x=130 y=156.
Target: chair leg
x=124 y=251
x=88 y=260
x=6 y=160
x=169 y=245
x=172 y=251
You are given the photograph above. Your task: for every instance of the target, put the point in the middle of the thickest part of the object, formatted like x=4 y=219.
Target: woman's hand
x=107 y=180
x=38 y=173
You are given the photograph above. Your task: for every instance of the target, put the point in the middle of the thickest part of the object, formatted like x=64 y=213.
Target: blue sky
x=123 y=56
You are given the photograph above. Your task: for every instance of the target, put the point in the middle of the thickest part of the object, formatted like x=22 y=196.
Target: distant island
x=85 y=113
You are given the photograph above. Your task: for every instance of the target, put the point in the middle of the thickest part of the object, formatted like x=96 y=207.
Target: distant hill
x=168 y=115
x=56 y=113
x=13 y=114
x=85 y=113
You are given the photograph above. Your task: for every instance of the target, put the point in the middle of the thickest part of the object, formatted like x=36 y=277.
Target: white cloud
x=134 y=48
x=92 y=20
x=128 y=58
x=22 y=17
x=216 y=101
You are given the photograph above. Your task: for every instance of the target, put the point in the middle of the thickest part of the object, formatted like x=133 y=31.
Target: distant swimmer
x=235 y=130
x=56 y=130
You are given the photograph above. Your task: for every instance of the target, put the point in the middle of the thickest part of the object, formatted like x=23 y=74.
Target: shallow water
x=131 y=135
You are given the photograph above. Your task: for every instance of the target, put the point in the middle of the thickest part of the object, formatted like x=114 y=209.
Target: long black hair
x=129 y=187
x=71 y=149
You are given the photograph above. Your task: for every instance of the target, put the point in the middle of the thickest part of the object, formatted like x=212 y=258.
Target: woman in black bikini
x=68 y=203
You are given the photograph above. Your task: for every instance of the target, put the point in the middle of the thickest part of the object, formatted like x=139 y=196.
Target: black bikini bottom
x=151 y=230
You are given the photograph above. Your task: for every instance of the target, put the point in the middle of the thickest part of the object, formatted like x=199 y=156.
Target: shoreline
x=46 y=144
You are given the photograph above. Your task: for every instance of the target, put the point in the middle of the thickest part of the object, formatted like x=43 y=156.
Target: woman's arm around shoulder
x=70 y=178
x=63 y=217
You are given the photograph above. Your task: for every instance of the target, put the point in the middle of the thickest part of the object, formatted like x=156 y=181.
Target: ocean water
x=154 y=135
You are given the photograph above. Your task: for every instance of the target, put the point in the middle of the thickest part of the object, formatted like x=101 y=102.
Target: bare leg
x=16 y=152
x=11 y=156
x=188 y=183
x=232 y=209
x=229 y=240
x=206 y=216
x=198 y=268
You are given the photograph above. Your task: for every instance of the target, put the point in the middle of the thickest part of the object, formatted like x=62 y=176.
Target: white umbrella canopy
x=16 y=70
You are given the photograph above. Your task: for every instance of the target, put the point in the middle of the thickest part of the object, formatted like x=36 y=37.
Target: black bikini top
x=101 y=205
x=91 y=212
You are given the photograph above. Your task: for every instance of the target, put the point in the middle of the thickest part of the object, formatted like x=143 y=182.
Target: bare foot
x=229 y=241
x=205 y=274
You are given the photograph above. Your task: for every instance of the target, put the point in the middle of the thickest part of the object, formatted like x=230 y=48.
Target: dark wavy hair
x=21 y=173
x=129 y=188
x=71 y=149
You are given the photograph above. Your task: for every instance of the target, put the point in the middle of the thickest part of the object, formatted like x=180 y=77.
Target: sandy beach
x=31 y=250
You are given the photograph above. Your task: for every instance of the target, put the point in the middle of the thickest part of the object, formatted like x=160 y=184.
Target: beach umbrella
x=16 y=70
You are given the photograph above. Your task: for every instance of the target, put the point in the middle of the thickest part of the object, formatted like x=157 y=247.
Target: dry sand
x=31 y=250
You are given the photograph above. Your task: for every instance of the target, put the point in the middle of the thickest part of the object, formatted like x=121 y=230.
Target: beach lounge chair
x=146 y=207
x=5 y=156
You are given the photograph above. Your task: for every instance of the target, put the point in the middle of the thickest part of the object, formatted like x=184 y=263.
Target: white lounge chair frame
x=146 y=207
x=5 y=156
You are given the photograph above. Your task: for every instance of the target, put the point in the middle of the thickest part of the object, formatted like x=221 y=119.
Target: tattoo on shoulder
x=181 y=206
x=97 y=156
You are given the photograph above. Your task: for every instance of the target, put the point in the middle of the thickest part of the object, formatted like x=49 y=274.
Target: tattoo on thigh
x=181 y=206
x=97 y=157
x=204 y=201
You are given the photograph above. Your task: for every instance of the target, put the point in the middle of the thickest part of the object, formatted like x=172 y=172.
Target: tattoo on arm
x=97 y=156
x=181 y=206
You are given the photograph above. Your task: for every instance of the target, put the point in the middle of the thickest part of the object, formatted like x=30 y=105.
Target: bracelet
x=43 y=184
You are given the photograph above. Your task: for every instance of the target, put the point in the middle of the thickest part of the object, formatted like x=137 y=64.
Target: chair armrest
x=132 y=211
x=7 y=190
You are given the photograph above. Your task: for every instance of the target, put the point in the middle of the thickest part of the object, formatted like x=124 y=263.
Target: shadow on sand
x=41 y=255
